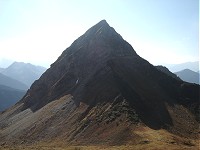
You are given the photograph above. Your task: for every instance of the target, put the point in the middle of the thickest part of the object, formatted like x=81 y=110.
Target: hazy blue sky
x=161 y=31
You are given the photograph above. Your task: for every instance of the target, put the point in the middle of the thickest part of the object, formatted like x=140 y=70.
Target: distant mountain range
x=15 y=81
x=188 y=76
x=1 y=69
x=185 y=75
x=12 y=83
x=4 y=63
x=194 y=66
x=9 y=96
x=24 y=72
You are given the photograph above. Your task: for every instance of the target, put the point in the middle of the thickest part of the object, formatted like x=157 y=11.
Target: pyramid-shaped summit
x=101 y=39
x=91 y=53
x=99 y=91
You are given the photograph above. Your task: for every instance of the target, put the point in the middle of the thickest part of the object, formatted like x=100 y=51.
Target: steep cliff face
x=100 y=82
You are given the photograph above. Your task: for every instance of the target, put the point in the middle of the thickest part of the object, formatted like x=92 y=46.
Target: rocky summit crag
x=100 y=91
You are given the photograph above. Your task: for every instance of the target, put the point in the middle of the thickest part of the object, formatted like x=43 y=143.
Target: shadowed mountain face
x=166 y=71
x=96 y=81
x=98 y=67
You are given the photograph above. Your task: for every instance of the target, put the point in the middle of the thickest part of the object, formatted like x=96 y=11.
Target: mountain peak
x=102 y=38
x=101 y=28
x=100 y=88
x=103 y=22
